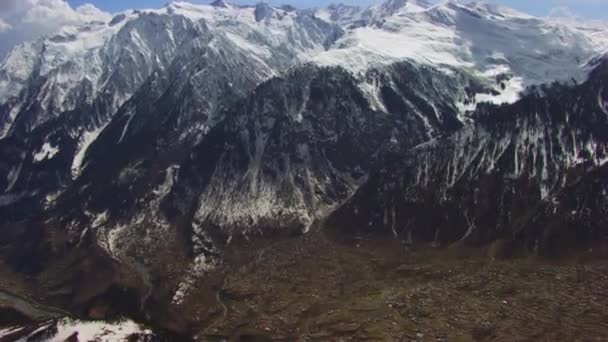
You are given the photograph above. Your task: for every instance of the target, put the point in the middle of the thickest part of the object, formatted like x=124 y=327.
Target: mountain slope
x=201 y=52
x=511 y=50
x=273 y=165
x=142 y=157
x=510 y=175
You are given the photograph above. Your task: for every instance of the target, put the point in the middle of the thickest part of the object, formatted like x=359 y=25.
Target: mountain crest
x=390 y=7
x=222 y=4
x=263 y=11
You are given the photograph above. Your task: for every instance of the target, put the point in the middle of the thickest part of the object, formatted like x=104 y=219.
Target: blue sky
x=585 y=8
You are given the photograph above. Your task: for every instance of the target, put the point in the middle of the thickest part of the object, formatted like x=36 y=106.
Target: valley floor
x=321 y=290
x=315 y=288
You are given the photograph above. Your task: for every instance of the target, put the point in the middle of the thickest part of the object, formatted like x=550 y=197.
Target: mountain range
x=143 y=152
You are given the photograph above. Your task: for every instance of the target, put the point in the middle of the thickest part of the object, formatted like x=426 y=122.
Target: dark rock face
x=155 y=103
x=302 y=143
x=29 y=177
x=532 y=172
x=69 y=182
x=131 y=193
x=183 y=168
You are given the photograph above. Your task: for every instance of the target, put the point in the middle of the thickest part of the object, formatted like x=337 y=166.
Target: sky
x=26 y=20
x=596 y=9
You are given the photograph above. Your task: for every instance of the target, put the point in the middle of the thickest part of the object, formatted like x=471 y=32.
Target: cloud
x=25 y=20
x=8 y=5
x=4 y=26
x=563 y=12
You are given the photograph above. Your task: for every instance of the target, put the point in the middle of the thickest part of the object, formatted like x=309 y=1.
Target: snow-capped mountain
x=301 y=143
x=509 y=49
x=60 y=92
x=154 y=144
x=80 y=64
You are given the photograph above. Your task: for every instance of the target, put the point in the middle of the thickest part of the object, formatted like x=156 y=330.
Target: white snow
x=239 y=25
x=256 y=49
x=13 y=176
x=86 y=140
x=85 y=330
x=323 y=14
x=97 y=331
x=17 y=66
x=367 y=47
x=201 y=265
x=50 y=199
x=535 y=155
x=126 y=128
x=47 y=151
x=171 y=174
x=510 y=94
x=371 y=90
x=80 y=62
x=535 y=50
x=67 y=58
x=229 y=205
x=488 y=40
x=491 y=42
x=100 y=219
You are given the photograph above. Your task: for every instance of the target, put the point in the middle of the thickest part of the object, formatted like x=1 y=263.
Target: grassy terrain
x=317 y=289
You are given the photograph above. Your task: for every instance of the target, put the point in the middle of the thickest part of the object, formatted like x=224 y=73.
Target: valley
x=323 y=287
x=407 y=171
x=317 y=289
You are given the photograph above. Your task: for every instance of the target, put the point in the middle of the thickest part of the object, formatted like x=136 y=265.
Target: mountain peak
x=262 y=11
x=391 y=7
x=484 y=8
x=222 y=3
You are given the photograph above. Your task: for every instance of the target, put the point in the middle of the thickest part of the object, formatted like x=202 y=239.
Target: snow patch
x=47 y=151
x=201 y=265
x=86 y=140
x=171 y=174
x=50 y=199
x=13 y=176
x=100 y=219
x=68 y=329
x=368 y=47
x=371 y=90
x=510 y=94
x=126 y=128
x=97 y=331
